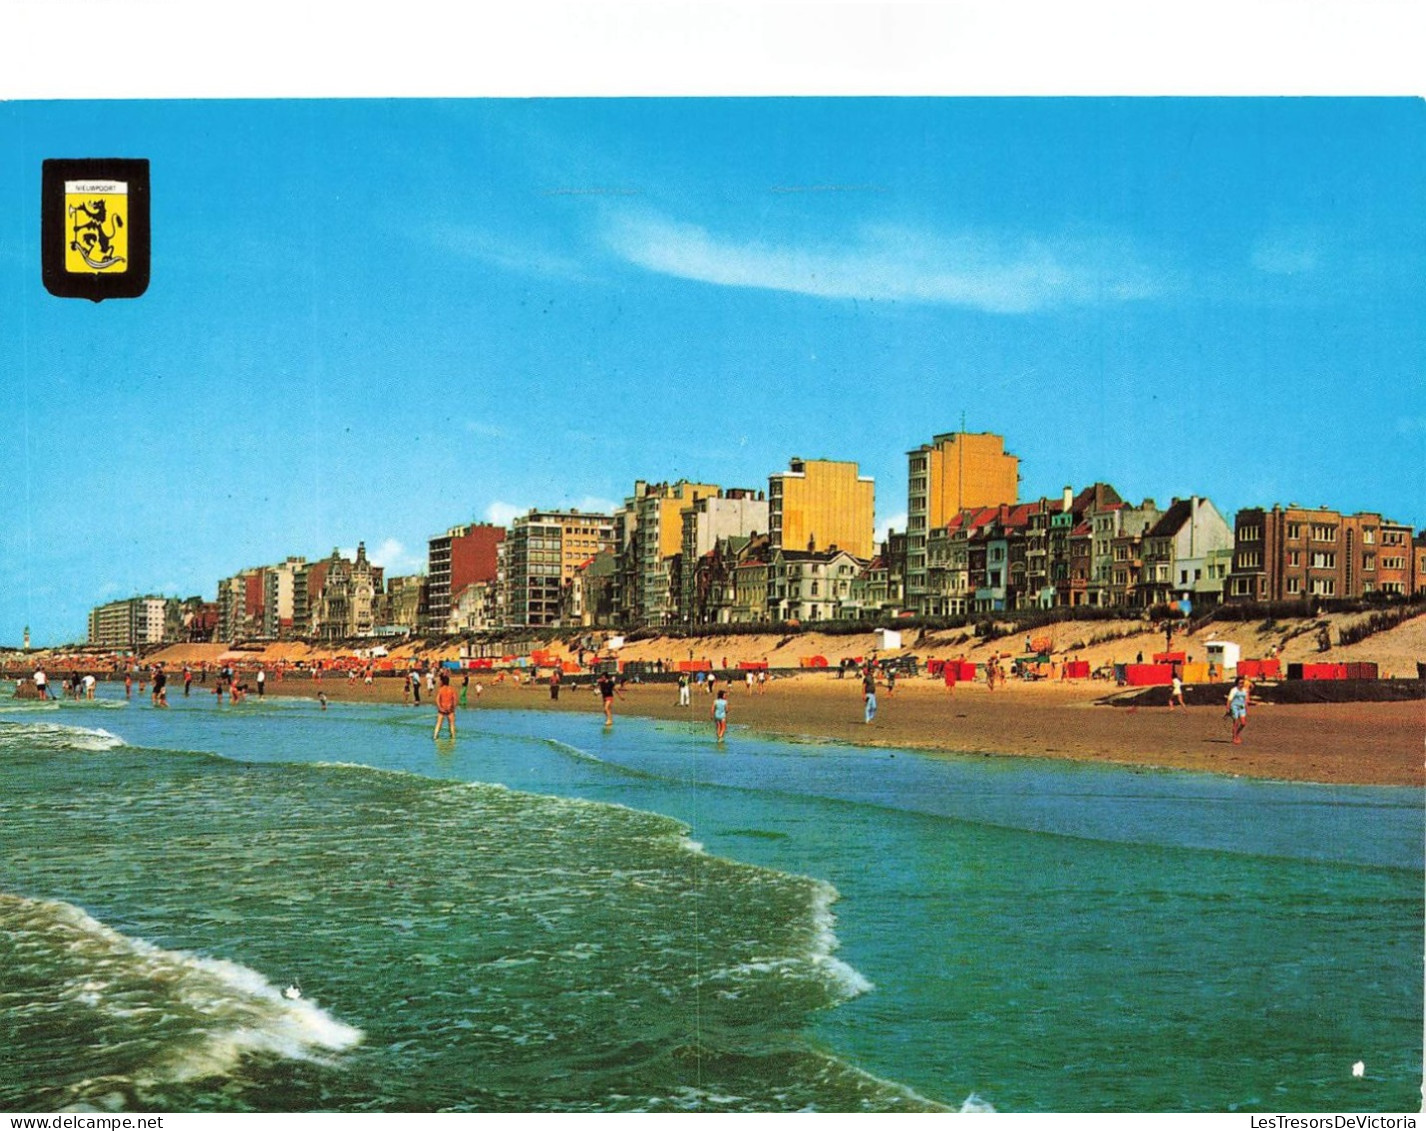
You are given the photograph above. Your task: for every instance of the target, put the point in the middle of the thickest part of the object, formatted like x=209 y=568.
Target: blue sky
x=372 y=320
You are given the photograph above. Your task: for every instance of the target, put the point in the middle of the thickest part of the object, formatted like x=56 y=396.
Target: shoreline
x=1330 y=744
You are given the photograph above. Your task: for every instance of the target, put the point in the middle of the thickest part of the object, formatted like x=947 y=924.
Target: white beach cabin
x=1223 y=655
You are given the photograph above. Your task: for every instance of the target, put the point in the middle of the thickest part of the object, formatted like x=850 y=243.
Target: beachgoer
x=261 y=682
x=41 y=683
x=89 y=687
x=891 y=680
x=406 y=692
x=416 y=686
x=1238 y=709
x=748 y=679
x=762 y=681
x=720 y=715
x=555 y=684
x=187 y=680
x=869 y=691
x=948 y=674
x=683 y=689
x=160 y=692
x=430 y=681
x=606 y=691
x=1176 y=692
x=322 y=699
x=128 y=685
x=445 y=707
x=465 y=690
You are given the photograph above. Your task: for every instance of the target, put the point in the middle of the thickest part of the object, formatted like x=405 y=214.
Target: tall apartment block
x=455 y=560
x=130 y=623
x=817 y=503
x=279 y=605
x=955 y=471
x=651 y=524
x=542 y=552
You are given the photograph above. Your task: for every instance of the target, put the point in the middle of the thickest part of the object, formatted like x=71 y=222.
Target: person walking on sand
x=606 y=692
x=445 y=707
x=683 y=689
x=1238 y=709
x=719 y=715
x=869 y=691
x=555 y=683
x=416 y=686
x=261 y=682
x=1176 y=692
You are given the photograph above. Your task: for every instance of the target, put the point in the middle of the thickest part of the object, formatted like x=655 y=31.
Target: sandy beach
x=1363 y=743
x=1344 y=743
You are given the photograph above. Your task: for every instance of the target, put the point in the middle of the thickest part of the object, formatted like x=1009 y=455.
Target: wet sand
x=1341 y=743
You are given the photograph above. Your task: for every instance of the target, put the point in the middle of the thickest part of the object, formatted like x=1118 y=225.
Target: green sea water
x=548 y=916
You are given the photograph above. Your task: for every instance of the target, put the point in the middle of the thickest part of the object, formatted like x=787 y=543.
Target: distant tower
x=27 y=638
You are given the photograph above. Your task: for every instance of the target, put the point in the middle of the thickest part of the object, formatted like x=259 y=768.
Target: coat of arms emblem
x=95 y=228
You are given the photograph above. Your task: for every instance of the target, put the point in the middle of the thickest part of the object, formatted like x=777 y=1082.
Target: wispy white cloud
x=890 y=523
x=393 y=556
x=503 y=514
x=592 y=504
x=999 y=274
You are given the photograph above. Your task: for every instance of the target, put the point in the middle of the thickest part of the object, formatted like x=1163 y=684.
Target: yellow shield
x=96 y=226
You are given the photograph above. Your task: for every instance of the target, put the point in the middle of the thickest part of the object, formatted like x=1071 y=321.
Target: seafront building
x=133 y=622
x=1298 y=553
x=542 y=552
x=809 y=585
x=818 y=504
x=279 y=605
x=1187 y=553
x=648 y=532
x=954 y=472
x=462 y=556
x=736 y=514
x=344 y=602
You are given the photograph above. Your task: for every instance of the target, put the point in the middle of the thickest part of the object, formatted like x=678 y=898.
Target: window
x=1250 y=534
x=1369 y=535
x=1293 y=585
x=1249 y=559
x=1294 y=558
x=1323 y=559
x=1324 y=586
x=1369 y=562
x=1323 y=532
x=1294 y=530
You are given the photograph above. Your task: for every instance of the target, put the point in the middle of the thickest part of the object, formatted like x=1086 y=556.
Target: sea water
x=278 y=907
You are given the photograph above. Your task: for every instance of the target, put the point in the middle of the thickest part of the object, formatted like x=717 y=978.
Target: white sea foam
x=226 y=1010
x=56 y=736
x=843 y=980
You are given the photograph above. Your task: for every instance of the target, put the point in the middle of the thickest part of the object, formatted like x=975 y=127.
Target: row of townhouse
x=1086 y=549
x=330 y=599
x=686 y=553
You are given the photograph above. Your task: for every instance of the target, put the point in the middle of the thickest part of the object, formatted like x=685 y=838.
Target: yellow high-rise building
x=954 y=471
x=820 y=503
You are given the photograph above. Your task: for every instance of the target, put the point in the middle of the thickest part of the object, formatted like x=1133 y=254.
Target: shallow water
x=545 y=915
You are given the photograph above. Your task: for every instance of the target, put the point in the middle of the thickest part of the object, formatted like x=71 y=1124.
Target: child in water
x=720 y=715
